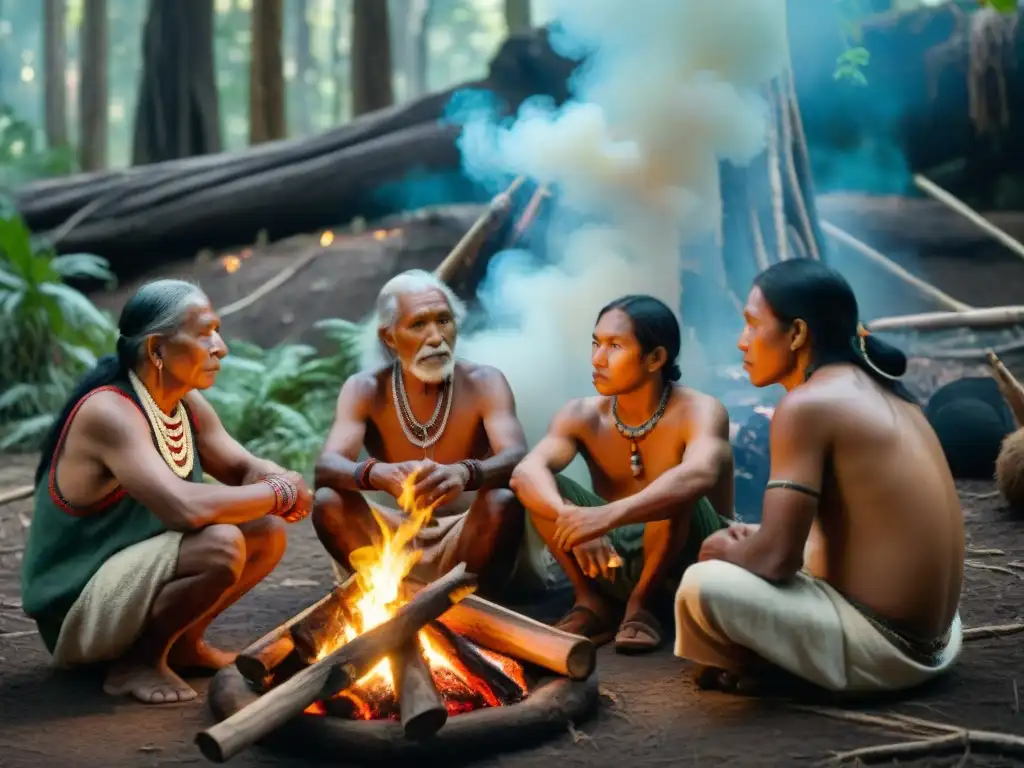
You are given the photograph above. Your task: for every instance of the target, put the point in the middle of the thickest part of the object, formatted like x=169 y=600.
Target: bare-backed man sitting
x=449 y=422
x=661 y=468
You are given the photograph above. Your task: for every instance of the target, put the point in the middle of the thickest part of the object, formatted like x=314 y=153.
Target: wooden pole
x=335 y=672
x=935 y=321
x=932 y=189
x=865 y=250
x=502 y=630
x=421 y=707
x=466 y=249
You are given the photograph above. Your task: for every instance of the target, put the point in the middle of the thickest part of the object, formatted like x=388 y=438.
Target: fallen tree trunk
x=295 y=197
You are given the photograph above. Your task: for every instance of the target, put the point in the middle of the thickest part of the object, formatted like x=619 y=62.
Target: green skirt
x=628 y=540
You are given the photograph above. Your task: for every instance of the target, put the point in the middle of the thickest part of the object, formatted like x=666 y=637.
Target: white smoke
x=669 y=90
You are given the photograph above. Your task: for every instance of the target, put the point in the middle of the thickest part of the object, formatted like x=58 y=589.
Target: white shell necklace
x=173 y=436
x=415 y=432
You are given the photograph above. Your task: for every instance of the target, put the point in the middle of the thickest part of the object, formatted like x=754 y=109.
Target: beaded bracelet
x=285 y=493
x=362 y=474
x=475 y=474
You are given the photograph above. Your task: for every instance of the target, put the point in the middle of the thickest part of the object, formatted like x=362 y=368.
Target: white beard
x=430 y=371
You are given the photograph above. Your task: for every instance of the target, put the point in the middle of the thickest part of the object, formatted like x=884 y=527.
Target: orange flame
x=380 y=570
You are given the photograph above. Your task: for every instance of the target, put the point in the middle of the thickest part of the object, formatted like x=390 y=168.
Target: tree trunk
x=370 y=57
x=93 y=87
x=340 y=29
x=266 y=74
x=408 y=46
x=55 y=61
x=517 y=16
x=303 y=68
x=178 y=113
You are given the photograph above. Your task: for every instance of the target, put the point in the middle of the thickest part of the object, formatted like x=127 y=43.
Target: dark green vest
x=67 y=545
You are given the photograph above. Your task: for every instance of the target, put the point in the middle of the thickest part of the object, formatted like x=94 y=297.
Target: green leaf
x=1003 y=6
x=82 y=265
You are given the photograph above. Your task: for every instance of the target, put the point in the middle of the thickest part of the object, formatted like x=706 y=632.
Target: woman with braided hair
x=130 y=555
x=852 y=581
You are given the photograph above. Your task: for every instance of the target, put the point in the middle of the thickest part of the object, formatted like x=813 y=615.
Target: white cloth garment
x=729 y=618
x=109 y=615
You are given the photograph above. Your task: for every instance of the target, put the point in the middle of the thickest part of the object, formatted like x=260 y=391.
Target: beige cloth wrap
x=729 y=618
x=109 y=615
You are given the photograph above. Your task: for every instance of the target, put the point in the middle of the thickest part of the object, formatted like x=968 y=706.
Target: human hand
x=439 y=484
x=391 y=478
x=597 y=557
x=303 y=499
x=578 y=525
x=294 y=498
x=717 y=545
x=741 y=531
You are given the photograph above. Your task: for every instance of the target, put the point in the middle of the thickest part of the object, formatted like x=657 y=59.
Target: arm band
x=791 y=486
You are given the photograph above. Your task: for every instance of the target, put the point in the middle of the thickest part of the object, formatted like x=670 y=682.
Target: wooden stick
x=529 y=215
x=422 y=709
x=257 y=662
x=335 y=672
x=16 y=494
x=891 y=752
x=892 y=267
x=935 y=321
x=932 y=189
x=505 y=689
x=272 y=284
x=993 y=630
x=512 y=634
x=467 y=248
x=1013 y=392
x=989 y=567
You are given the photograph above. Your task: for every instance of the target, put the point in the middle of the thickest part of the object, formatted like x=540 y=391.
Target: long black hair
x=808 y=290
x=654 y=325
x=156 y=308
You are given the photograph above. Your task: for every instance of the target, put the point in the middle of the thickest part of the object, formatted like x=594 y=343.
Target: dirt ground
x=650 y=712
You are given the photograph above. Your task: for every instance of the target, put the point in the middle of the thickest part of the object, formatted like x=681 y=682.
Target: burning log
x=505 y=689
x=257 y=662
x=512 y=634
x=422 y=708
x=335 y=672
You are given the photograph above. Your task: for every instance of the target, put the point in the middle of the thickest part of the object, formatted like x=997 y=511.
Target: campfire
x=385 y=664
x=463 y=675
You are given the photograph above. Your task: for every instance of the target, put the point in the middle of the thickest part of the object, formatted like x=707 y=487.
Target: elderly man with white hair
x=448 y=422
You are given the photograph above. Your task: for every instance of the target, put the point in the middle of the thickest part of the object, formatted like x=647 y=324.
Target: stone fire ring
x=543 y=714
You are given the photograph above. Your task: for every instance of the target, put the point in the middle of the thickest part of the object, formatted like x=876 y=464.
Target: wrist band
x=362 y=474
x=285 y=493
x=475 y=474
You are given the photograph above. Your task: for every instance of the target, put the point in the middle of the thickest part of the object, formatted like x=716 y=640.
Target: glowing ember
x=231 y=264
x=380 y=570
x=326 y=238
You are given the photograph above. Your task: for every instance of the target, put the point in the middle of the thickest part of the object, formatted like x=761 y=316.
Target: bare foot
x=188 y=655
x=149 y=683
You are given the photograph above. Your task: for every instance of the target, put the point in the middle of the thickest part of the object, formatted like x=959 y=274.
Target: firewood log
x=335 y=672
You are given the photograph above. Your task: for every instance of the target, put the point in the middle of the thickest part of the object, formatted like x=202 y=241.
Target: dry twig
x=987 y=567
x=984 y=552
x=993 y=630
x=16 y=494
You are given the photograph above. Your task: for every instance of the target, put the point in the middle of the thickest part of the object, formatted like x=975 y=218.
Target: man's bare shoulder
x=481 y=377
x=364 y=385
x=584 y=412
x=695 y=402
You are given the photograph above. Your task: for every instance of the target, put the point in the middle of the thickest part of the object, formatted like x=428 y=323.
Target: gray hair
x=157 y=308
x=411 y=281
